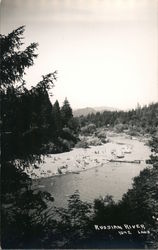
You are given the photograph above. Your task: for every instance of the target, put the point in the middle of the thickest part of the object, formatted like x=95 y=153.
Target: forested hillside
x=142 y=120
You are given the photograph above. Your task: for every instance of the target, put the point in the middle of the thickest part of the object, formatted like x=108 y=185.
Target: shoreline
x=72 y=172
x=80 y=159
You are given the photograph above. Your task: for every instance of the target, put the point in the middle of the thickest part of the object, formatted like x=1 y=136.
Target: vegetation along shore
x=32 y=128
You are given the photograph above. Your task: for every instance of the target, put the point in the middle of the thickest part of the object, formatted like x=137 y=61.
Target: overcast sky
x=105 y=51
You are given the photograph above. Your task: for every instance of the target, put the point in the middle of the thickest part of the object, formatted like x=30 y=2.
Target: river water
x=112 y=178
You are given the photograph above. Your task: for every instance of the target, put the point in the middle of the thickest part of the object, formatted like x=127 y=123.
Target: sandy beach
x=81 y=159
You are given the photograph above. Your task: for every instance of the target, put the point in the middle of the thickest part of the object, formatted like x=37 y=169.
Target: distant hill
x=103 y=108
x=88 y=110
x=83 y=111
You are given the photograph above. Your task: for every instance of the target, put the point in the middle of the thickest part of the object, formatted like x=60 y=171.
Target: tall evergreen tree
x=66 y=112
x=57 y=116
x=21 y=206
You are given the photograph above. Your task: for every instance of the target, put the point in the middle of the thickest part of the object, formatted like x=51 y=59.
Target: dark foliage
x=13 y=60
x=29 y=125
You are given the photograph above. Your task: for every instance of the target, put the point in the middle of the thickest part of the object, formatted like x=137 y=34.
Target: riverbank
x=82 y=159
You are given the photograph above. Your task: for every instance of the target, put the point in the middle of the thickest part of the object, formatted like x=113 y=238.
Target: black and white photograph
x=79 y=124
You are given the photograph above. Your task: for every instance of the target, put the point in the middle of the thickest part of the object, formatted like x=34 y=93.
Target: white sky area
x=105 y=51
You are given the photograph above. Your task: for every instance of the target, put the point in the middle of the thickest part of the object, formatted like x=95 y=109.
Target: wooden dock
x=124 y=161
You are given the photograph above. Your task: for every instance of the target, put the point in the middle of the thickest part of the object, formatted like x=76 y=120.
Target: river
x=102 y=178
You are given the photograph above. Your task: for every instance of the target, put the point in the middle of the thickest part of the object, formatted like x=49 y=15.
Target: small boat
x=120 y=155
